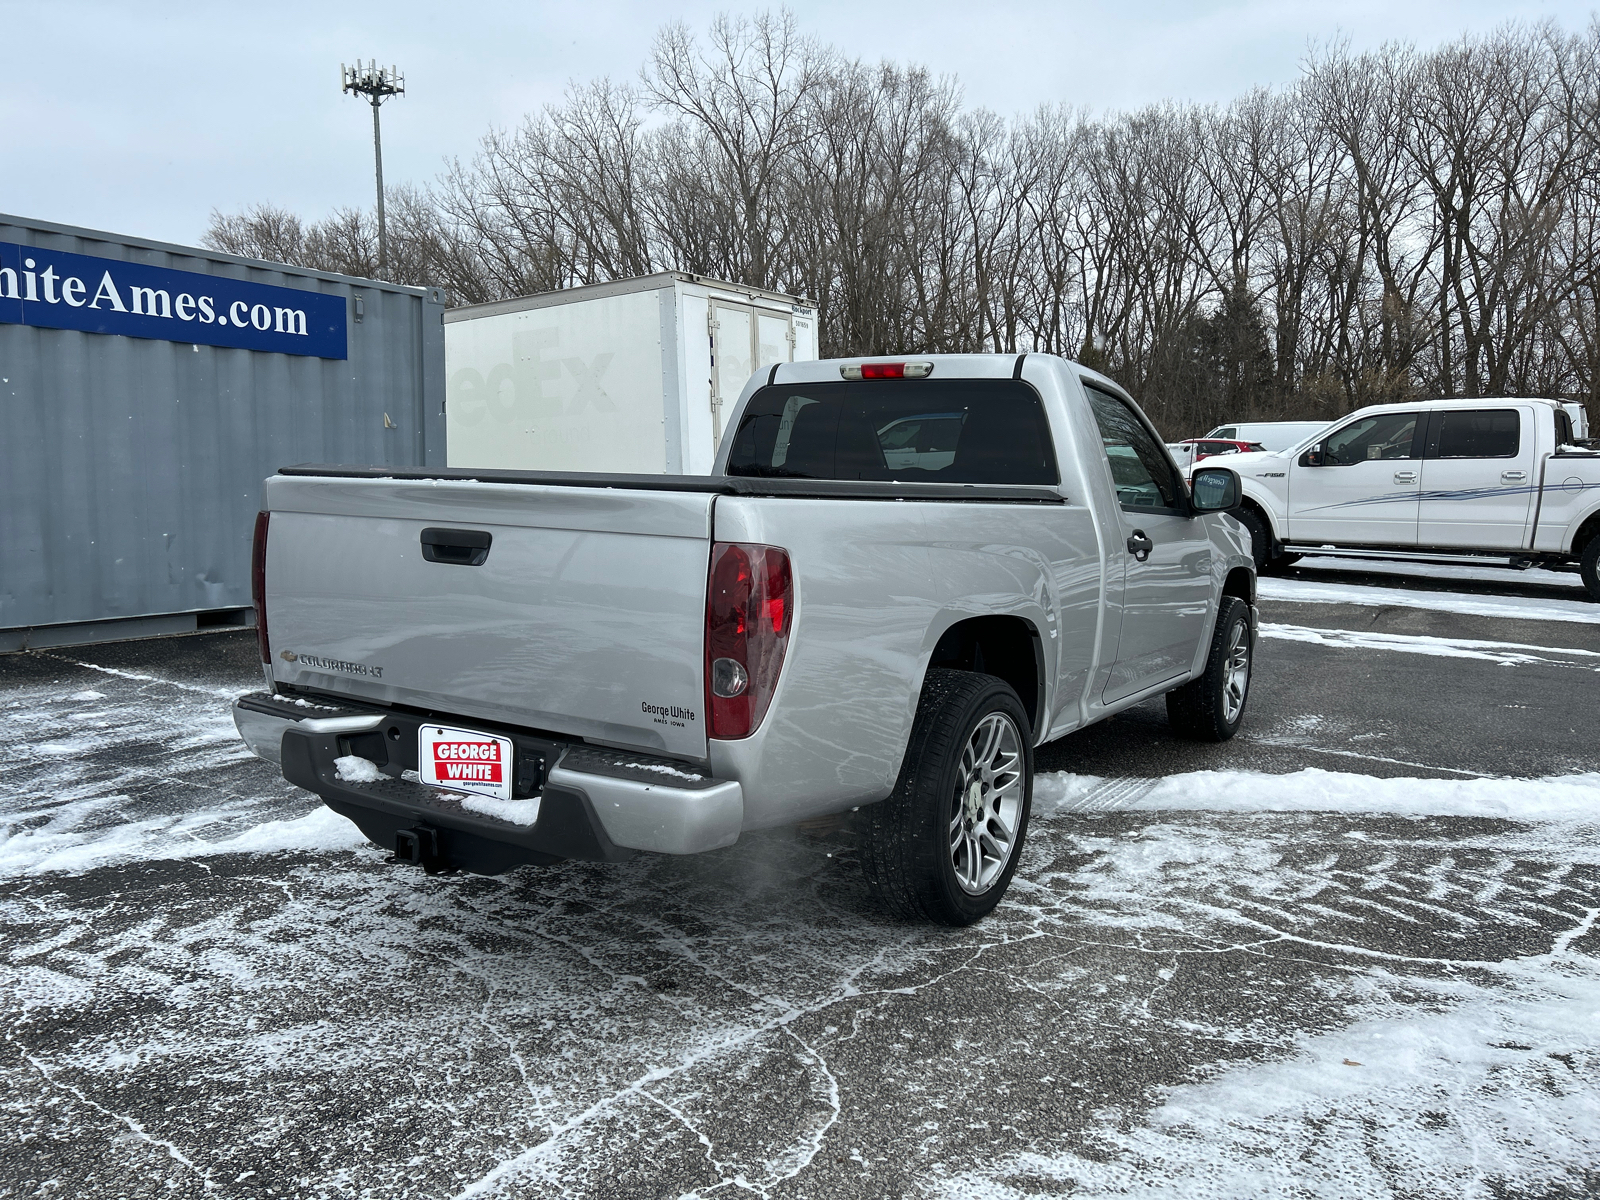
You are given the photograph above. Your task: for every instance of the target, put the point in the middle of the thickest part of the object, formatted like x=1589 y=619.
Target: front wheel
x=1210 y=707
x=1261 y=544
x=944 y=845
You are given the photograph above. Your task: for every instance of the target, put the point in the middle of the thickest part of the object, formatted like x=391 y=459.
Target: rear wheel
x=944 y=845
x=1589 y=567
x=1210 y=707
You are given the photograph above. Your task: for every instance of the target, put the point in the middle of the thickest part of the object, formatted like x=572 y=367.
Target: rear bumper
x=594 y=804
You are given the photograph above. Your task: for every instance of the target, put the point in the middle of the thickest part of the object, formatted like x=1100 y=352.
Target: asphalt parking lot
x=1351 y=953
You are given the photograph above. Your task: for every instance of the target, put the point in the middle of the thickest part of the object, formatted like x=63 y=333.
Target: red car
x=1192 y=450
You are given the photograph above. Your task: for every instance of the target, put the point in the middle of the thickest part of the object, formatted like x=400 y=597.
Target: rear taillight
x=258 y=583
x=749 y=612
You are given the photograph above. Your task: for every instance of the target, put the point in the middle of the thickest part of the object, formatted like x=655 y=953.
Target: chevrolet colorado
x=900 y=578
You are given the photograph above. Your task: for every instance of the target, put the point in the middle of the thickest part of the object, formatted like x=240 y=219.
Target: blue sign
x=56 y=290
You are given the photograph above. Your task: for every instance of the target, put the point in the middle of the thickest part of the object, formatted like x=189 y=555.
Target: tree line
x=1399 y=223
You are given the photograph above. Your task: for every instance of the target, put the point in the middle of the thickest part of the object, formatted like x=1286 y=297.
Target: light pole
x=377 y=84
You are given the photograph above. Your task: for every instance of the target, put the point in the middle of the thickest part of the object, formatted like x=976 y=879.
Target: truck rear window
x=923 y=430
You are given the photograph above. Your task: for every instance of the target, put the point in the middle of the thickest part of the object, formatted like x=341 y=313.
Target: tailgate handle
x=460 y=547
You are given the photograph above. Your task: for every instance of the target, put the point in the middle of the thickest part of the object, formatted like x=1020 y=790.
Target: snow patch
x=352 y=768
x=673 y=771
x=1507 y=654
x=1556 y=797
x=66 y=843
x=1500 y=1086
x=301 y=702
x=518 y=812
x=87 y=696
x=321 y=829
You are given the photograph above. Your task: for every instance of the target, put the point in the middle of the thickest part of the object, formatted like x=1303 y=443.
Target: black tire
x=908 y=856
x=1200 y=709
x=1589 y=567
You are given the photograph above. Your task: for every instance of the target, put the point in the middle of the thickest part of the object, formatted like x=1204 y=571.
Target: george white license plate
x=464 y=761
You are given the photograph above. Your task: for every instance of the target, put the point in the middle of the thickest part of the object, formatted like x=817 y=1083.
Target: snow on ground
x=1486 y=1085
x=1507 y=654
x=1299 y=591
x=1564 y=797
x=1213 y=984
x=152 y=769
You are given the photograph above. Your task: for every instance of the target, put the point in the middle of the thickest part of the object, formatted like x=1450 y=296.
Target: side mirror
x=1215 y=489
x=1312 y=457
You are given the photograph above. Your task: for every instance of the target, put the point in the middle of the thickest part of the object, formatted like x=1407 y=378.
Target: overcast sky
x=141 y=118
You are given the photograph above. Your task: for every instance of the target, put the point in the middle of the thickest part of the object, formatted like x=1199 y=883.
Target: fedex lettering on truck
x=52 y=289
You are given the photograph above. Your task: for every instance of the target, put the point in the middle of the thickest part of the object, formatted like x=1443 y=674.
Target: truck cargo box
x=632 y=376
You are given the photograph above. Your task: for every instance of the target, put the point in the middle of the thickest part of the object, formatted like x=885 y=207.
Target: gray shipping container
x=131 y=466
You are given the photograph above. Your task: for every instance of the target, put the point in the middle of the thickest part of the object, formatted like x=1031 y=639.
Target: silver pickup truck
x=901 y=577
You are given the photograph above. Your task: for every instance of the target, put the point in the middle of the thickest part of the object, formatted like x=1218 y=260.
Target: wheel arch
x=1240 y=582
x=1252 y=503
x=1588 y=529
x=1006 y=646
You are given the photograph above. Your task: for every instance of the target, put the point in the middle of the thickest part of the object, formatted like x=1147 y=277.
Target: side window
x=926 y=442
x=1388 y=435
x=1139 y=463
x=1479 y=433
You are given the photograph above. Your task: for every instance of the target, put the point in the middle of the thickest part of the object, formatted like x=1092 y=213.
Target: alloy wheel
x=1237 y=680
x=986 y=809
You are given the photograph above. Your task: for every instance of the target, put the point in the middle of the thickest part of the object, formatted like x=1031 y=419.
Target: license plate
x=464 y=761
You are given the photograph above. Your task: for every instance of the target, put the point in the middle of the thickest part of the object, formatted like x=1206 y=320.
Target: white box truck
x=633 y=376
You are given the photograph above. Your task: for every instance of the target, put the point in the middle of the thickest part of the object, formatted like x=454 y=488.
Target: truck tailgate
x=585 y=618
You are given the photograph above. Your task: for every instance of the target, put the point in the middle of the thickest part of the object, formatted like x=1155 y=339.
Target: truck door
x=774 y=338
x=1165 y=554
x=1359 y=486
x=1478 y=479
x=732 y=358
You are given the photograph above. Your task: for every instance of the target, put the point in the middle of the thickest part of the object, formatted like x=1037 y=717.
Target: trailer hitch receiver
x=420 y=847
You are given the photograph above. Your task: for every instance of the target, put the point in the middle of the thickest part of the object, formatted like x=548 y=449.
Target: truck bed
x=584 y=617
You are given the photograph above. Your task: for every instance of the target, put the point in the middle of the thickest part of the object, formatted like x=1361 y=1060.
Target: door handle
x=1513 y=476
x=456 y=547
x=1405 y=476
x=1139 y=545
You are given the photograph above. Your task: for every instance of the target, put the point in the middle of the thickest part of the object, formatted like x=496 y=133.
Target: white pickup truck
x=1505 y=478
x=901 y=577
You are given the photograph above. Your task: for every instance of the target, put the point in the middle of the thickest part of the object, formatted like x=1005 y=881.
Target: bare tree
x=1397 y=223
